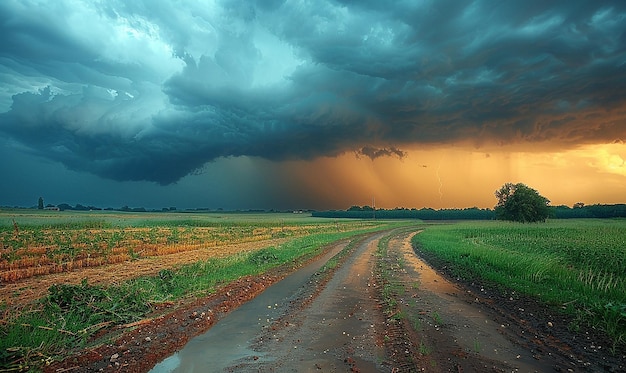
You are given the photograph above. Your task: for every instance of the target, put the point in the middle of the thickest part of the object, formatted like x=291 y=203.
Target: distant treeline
x=79 y=207
x=366 y=212
x=473 y=213
x=590 y=211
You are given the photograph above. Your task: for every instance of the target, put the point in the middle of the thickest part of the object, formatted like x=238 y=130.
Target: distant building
x=51 y=208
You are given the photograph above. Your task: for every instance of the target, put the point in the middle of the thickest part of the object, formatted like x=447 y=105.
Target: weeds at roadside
x=400 y=312
x=424 y=349
x=437 y=318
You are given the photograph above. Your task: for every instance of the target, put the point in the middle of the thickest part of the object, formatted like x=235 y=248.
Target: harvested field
x=34 y=288
x=44 y=247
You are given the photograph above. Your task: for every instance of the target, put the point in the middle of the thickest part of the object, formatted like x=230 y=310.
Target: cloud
x=152 y=90
x=373 y=153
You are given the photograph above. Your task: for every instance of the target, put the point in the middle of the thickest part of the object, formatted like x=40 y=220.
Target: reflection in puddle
x=429 y=279
x=472 y=328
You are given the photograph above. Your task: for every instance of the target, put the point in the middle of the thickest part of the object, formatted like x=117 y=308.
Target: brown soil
x=24 y=291
x=360 y=337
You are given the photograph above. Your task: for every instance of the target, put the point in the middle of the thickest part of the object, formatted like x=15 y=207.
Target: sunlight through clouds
x=607 y=158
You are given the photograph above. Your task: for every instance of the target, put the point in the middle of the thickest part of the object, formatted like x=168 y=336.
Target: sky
x=311 y=104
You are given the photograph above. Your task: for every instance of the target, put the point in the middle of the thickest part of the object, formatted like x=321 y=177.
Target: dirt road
x=290 y=328
x=343 y=326
x=376 y=311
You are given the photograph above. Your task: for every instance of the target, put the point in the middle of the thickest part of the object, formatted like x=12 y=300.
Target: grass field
x=578 y=266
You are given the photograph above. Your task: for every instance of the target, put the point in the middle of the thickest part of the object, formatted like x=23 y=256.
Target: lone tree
x=518 y=202
x=40 y=203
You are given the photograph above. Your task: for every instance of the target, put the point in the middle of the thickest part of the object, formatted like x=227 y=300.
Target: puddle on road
x=474 y=329
x=227 y=341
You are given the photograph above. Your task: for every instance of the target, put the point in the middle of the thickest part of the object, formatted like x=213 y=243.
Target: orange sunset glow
x=459 y=178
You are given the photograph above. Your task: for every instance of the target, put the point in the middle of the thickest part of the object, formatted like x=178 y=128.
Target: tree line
x=367 y=212
x=515 y=202
x=474 y=213
x=80 y=207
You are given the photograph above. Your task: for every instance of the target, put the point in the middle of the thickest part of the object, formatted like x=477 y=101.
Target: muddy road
x=370 y=306
x=298 y=325
x=434 y=325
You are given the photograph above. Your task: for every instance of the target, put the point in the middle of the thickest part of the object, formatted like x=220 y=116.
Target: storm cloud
x=153 y=90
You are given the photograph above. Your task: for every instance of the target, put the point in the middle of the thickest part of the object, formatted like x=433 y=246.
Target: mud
x=229 y=340
x=337 y=330
x=456 y=332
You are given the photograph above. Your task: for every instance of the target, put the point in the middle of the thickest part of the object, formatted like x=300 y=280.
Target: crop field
x=39 y=243
x=575 y=265
x=65 y=276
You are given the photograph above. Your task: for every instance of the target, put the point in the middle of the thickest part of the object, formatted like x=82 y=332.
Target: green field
x=577 y=266
x=42 y=218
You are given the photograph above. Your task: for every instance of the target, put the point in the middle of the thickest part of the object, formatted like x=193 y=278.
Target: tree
x=65 y=206
x=40 y=203
x=518 y=202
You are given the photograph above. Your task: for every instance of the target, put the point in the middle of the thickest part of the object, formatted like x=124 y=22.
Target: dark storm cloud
x=150 y=90
x=373 y=153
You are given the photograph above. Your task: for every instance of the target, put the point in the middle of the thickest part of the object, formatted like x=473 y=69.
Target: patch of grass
x=389 y=286
x=65 y=319
x=416 y=322
x=424 y=349
x=392 y=288
x=437 y=318
x=476 y=345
